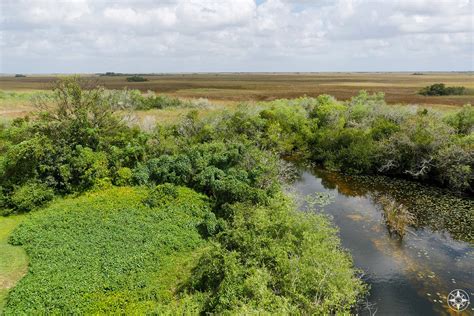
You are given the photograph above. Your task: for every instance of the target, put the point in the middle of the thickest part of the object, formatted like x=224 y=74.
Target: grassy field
x=13 y=259
x=398 y=87
x=104 y=251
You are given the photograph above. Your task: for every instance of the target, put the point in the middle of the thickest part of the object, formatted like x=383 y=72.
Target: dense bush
x=31 y=195
x=227 y=172
x=76 y=141
x=274 y=259
x=438 y=89
x=127 y=250
x=136 y=79
x=366 y=136
x=462 y=121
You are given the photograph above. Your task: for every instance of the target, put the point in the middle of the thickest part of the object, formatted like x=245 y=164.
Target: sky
x=146 y=36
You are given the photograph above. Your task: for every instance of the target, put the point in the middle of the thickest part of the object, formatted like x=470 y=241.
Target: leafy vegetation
x=146 y=248
x=134 y=99
x=136 y=79
x=107 y=252
x=274 y=259
x=439 y=89
x=363 y=136
x=213 y=206
x=13 y=261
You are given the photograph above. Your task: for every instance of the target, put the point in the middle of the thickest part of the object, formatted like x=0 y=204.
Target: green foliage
x=30 y=196
x=153 y=101
x=287 y=128
x=350 y=150
x=76 y=142
x=107 y=252
x=3 y=200
x=328 y=112
x=383 y=128
x=121 y=244
x=227 y=172
x=438 y=89
x=124 y=176
x=273 y=259
x=134 y=99
x=463 y=120
x=136 y=79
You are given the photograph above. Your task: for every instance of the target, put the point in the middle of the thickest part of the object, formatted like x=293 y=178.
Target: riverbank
x=407 y=276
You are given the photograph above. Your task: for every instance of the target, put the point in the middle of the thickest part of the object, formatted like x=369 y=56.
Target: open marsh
x=398 y=87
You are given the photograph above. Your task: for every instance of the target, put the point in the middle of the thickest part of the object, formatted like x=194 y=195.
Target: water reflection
x=412 y=276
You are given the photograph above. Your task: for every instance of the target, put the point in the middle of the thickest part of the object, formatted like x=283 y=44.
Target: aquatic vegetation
x=318 y=200
x=435 y=208
x=397 y=217
x=108 y=251
x=438 y=209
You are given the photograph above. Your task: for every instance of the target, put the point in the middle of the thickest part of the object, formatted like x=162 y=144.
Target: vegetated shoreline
x=81 y=145
x=257 y=238
x=437 y=208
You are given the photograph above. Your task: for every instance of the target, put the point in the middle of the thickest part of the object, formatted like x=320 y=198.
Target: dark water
x=411 y=276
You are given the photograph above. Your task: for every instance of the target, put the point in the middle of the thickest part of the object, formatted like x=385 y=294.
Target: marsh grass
x=396 y=215
x=398 y=87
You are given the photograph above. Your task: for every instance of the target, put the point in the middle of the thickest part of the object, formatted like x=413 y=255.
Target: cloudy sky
x=67 y=36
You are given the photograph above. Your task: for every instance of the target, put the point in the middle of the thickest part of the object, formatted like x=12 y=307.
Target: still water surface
x=412 y=276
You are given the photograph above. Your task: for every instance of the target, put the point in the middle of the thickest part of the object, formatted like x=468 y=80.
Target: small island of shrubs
x=136 y=79
x=439 y=89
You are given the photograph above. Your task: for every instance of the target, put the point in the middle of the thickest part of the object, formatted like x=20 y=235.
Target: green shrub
x=30 y=196
x=153 y=101
x=439 y=89
x=328 y=112
x=274 y=259
x=227 y=172
x=383 y=128
x=462 y=120
x=73 y=145
x=136 y=79
x=124 y=176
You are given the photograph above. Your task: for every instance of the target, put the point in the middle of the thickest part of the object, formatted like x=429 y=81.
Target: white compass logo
x=458 y=300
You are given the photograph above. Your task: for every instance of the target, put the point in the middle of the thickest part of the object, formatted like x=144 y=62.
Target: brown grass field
x=398 y=87
x=228 y=89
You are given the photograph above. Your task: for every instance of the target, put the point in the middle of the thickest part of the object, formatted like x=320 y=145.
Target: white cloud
x=234 y=35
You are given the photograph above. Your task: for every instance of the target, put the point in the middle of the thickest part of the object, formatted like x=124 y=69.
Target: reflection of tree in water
x=432 y=207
